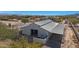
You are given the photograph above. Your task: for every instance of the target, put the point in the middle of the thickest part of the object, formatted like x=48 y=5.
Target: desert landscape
x=61 y=31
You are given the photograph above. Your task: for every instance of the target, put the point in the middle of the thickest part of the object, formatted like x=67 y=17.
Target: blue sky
x=39 y=12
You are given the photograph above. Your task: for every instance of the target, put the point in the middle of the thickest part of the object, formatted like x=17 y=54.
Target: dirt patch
x=5 y=43
x=70 y=40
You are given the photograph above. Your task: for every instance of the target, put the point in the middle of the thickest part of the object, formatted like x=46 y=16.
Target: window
x=34 y=32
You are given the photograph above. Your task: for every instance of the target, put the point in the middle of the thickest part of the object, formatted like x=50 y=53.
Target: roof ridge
x=55 y=25
x=45 y=23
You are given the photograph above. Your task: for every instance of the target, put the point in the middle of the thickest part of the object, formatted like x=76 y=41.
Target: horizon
x=46 y=13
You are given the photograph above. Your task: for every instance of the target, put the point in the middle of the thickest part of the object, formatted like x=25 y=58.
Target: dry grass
x=5 y=43
x=22 y=43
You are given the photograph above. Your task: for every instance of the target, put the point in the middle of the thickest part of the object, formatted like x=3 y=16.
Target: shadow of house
x=54 y=41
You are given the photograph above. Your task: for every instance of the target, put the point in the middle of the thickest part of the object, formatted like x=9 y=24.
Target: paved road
x=70 y=40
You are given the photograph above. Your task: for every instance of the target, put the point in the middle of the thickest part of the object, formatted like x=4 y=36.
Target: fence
x=75 y=31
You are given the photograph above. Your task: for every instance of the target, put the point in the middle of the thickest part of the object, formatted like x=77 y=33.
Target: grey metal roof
x=54 y=27
x=59 y=29
x=24 y=25
x=43 y=22
x=50 y=26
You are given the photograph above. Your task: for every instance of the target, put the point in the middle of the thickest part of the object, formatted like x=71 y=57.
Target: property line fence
x=75 y=31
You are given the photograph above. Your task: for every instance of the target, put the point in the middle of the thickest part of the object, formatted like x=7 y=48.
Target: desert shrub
x=24 y=20
x=6 y=33
x=23 y=43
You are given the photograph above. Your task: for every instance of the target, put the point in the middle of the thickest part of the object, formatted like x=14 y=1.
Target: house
x=42 y=29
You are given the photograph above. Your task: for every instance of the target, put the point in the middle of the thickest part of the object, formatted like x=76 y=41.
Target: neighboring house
x=77 y=16
x=76 y=26
x=13 y=24
x=78 y=33
x=42 y=29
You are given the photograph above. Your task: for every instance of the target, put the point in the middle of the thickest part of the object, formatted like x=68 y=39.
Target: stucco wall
x=41 y=32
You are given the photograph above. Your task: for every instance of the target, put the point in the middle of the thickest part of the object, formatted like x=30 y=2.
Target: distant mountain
x=76 y=15
x=73 y=15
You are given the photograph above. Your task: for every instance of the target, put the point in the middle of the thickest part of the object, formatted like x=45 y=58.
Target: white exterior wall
x=41 y=32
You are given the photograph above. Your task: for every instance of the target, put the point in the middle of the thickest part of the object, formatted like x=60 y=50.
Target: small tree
x=24 y=20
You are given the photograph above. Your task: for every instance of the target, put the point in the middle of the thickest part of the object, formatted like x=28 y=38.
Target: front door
x=34 y=32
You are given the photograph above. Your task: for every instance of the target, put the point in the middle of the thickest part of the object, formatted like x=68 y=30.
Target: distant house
x=76 y=26
x=11 y=23
x=78 y=33
x=42 y=29
x=77 y=16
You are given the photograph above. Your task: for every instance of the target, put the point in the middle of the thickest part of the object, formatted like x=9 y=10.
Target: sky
x=38 y=12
